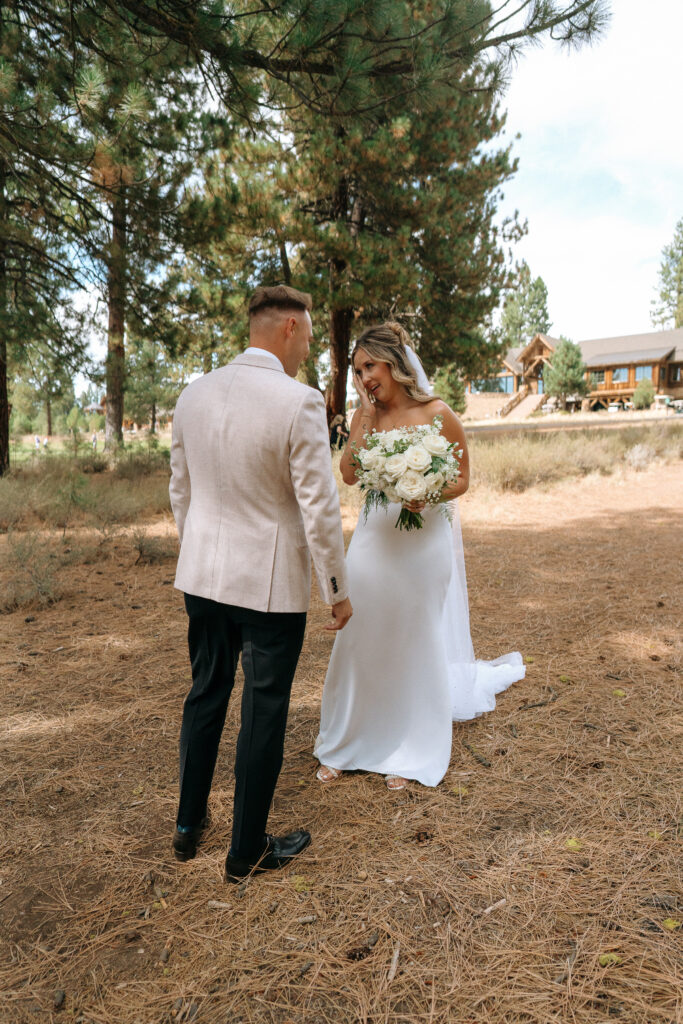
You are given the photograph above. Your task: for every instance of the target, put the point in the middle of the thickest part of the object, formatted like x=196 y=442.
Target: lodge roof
x=552 y=344
x=631 y=348
x=512 y=361
x=647 y=355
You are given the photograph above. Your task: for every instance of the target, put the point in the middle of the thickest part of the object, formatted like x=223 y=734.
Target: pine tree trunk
x=340 y=338
x=340 y=319
x=48 y=413
x=207 y=361
x=4 y=322
x=153 y=427
x=116 y=360
x=284 y=262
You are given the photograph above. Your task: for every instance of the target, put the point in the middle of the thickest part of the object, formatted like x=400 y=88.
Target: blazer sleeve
x=316 y=493
x=179 y=486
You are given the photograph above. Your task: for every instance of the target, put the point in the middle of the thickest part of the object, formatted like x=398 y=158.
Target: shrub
x=151 y=548
x=137 y=463
x=12 y=503
x=32 y=565
x=640 y=457
x=644 y=395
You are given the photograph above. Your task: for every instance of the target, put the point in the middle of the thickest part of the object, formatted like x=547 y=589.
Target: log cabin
x=613 y=368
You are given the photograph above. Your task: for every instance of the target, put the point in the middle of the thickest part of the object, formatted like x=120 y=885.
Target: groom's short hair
x=278 y=296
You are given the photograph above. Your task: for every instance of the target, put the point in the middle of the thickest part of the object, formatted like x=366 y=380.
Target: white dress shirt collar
x=254 y=351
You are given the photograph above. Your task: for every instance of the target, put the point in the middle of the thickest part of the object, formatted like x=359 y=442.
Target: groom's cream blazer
x=252 y=489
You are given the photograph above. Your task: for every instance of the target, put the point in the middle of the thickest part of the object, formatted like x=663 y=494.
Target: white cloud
x=601 y=165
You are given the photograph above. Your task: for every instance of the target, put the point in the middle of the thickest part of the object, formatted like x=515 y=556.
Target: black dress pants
x=270 y=644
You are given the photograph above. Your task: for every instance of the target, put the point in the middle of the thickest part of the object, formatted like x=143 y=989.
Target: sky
x=600 y=177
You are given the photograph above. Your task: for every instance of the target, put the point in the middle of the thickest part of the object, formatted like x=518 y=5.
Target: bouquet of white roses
x=404 y=465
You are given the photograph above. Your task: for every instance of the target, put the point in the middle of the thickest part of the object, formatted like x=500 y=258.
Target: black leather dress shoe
x=278 y=852
x=185 y=843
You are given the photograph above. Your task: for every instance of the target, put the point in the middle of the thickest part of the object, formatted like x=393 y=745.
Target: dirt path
x=564 y=803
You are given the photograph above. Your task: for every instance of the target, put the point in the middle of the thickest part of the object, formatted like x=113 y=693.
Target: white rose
x=390 y=437
x=436 y=444
x=395 y=465
x=418 y=459
x=435 y=481
x=370 y=459
x=412 y=486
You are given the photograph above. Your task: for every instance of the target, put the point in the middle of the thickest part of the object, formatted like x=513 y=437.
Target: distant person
x=335 y=424
x=94 y=441
x=249 y=506
x=342 y=434
x=45 y=444
x=37 y=443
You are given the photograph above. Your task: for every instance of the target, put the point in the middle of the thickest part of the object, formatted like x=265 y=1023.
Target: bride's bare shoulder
x=437 y=407
x=452 y=426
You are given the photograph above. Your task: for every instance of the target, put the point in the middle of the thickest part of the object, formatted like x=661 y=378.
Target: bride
x=404 y=667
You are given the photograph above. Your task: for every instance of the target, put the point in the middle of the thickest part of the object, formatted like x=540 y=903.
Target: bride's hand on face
x=366 y=403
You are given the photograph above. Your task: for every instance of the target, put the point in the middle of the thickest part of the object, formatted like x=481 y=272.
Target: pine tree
x=385 y=216
x=525 y=311
x=566 y=374
x=347 y=59
x=667 y=308
x=153 y=382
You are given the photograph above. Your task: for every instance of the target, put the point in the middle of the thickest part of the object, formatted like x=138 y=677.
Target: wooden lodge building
x=613 y=368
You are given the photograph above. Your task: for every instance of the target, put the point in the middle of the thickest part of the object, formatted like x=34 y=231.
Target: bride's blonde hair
x=387 y=343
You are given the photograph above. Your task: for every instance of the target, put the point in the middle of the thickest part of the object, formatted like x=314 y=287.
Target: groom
x=254 y=497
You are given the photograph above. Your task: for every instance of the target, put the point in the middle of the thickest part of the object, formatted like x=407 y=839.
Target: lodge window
x=505 y=384
x=597 y=377
x=675 y=374
x=620 y=375
x=644 y=372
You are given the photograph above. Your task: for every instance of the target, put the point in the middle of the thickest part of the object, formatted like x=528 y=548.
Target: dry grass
x=517 y=462
x=396 y=912
x=59 y=492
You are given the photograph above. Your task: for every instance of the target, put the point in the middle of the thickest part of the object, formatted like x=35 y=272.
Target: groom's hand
x=341 y=613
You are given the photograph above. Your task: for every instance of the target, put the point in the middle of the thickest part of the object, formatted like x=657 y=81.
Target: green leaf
x=609 y=959
x=671 y=924
x=618 y=692
x=300 y=883
x=573 y=844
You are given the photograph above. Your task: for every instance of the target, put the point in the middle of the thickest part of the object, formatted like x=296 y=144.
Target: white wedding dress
x=404 y=668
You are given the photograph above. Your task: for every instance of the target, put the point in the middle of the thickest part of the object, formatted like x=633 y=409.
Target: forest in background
x=157 y=160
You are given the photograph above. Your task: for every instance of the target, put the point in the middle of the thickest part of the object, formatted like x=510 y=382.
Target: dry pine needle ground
x=540 y=882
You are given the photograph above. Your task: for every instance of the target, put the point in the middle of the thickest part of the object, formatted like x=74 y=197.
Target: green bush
x=644 y=395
